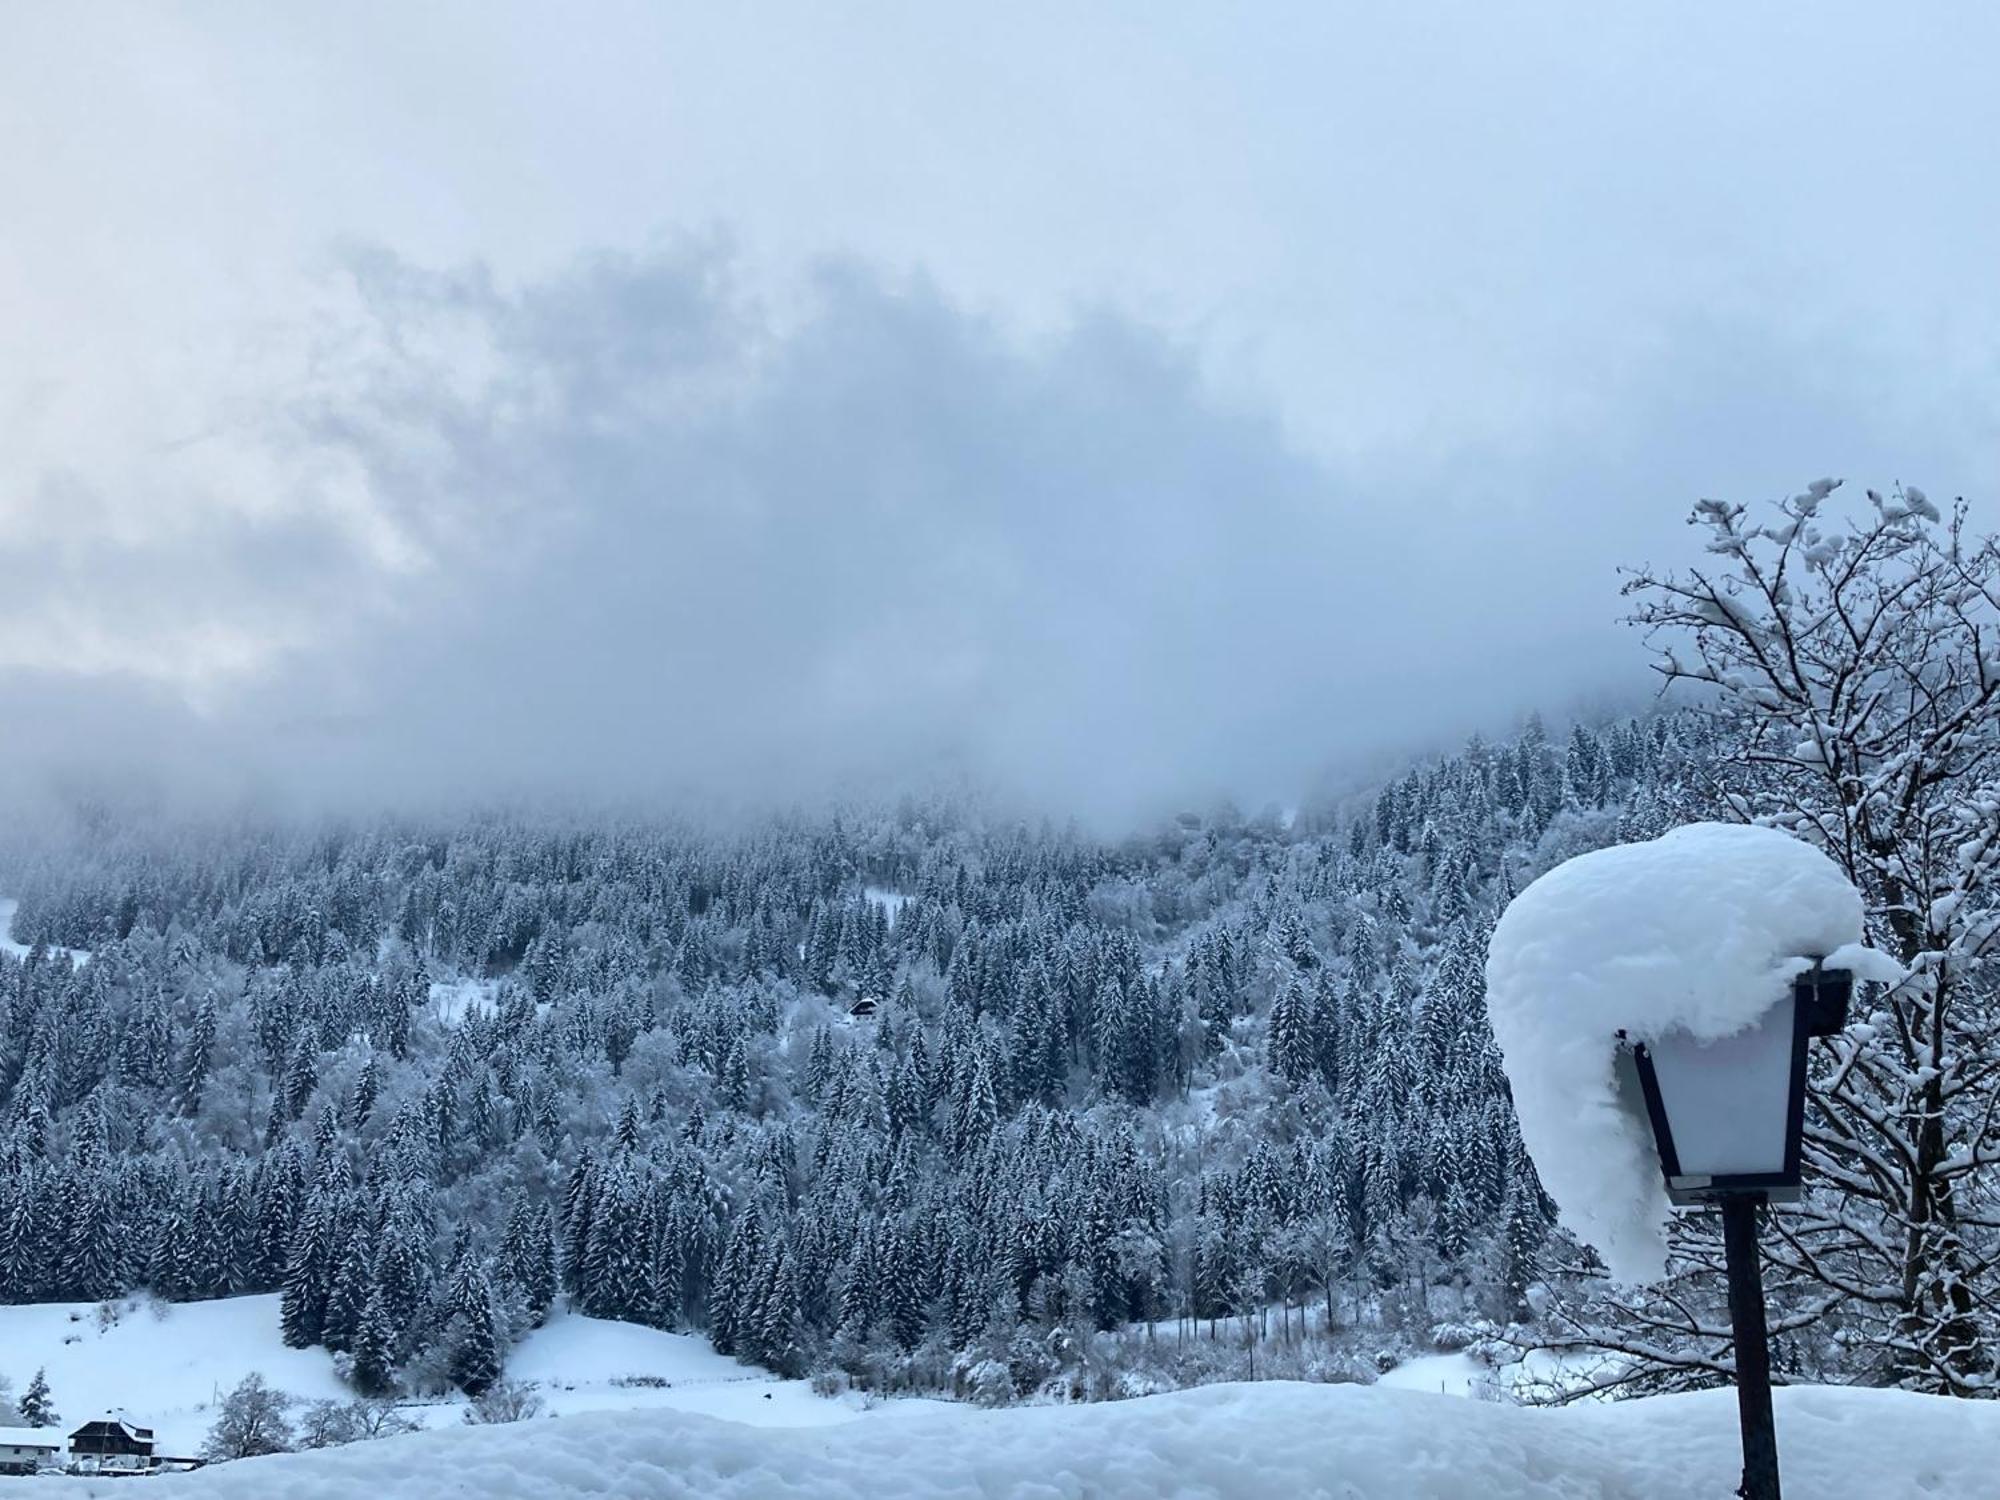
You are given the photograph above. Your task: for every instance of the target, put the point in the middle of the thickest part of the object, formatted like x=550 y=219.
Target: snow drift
x=1700 y=930
x=1248 y=1441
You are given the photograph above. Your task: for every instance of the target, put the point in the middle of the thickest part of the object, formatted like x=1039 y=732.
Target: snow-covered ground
x=1249 y=1441
x=453 y=999
x=590 y=1364
x=169 y=1365
x=8 y=906
x=1441 y=1374
x=891 y=902
x=1467 y=1378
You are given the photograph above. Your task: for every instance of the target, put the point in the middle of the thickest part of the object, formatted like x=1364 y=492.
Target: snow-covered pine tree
x=37 y=1406
x=373 y=1367
x=475 y=1357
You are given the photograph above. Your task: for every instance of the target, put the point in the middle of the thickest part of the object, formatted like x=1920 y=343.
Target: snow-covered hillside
x=8 y=944
x=169 y=1365
x=1250 y=1441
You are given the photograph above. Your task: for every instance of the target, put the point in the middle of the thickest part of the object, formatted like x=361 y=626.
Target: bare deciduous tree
x=1853 y=666
x=252 y=1422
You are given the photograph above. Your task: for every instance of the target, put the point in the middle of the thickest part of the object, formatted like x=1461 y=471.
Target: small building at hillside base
x=111 y=1442
x=27 y=1450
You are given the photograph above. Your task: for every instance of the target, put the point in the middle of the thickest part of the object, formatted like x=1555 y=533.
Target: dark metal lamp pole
x=1740 y=1171
x=1753 y=1346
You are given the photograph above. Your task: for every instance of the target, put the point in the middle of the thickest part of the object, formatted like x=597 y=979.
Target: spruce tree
x=36 y=1407
x=195 y=1057
x=373 y=1368
x=353 y=1285
x=475 y=1357
x=780 y=1345
x=1294 y=1053
x=308 y=1279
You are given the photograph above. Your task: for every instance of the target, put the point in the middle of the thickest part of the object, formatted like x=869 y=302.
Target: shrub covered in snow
x=504 y=1401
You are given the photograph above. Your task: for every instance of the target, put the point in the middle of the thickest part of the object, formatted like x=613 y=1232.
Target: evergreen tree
x=373 y=1368
x=195 y=1057
x=1294 y=1045
x=308 y=1278
x=36 y=1406
x=475 y=1357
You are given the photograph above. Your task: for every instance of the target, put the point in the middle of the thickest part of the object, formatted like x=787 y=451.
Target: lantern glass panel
x=1727 y=1102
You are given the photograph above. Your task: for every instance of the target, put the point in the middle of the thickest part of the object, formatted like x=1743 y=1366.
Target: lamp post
x=1728 y=1117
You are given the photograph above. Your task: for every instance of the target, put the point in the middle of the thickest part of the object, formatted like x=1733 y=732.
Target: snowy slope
x=1249 y=1441
x=167 y=1364
x=580 y=1364
x=453 y=999
x=891 y=902
x=1445 y=1374
x=8 y=906
x=170 y=1364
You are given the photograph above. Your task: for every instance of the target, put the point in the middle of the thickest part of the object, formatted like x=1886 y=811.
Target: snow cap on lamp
x=1700 y=931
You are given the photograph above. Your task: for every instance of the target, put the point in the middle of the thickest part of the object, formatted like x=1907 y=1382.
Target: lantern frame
x=1820 y=1001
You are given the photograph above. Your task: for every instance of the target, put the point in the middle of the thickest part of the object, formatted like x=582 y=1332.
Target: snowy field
x=452 y=1000
x=1248 y=1441
x=714 y=1428
x=170 y=1366
x=1444 y=1375
x=8 y=906
x=891 y=902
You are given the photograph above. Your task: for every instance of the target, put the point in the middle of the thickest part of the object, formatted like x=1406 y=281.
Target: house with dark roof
x=109 y=1443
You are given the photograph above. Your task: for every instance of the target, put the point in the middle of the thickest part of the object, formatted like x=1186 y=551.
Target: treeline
x=429 y=1080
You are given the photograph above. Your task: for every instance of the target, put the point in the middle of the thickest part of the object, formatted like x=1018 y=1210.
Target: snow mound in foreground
x=1249 y=1441
x=1700 y=930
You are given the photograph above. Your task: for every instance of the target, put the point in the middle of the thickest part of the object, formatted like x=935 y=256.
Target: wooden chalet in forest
x=112 y=1442
x=29 y=1450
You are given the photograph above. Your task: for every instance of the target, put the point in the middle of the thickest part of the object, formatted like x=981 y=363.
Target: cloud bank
x=1185 y=406
x=629 y=531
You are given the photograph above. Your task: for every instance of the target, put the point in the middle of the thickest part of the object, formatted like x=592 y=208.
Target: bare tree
x=1853 y=669
x=329 y=1424
x=252 y=1422
x=374 y=1417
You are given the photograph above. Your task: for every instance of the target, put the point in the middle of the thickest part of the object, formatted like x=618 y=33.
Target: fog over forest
x=1120 y=440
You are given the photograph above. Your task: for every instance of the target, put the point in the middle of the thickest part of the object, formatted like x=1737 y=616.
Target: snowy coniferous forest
x=936 y=1101
x=427 y=1078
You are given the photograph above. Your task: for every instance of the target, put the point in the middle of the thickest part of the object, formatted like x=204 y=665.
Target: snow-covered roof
x=118 y=1419
x=1699 y=931
x=30 y=1437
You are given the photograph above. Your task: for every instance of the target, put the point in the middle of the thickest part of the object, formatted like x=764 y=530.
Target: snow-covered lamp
x=1728 y=1114
x=1653 y=1002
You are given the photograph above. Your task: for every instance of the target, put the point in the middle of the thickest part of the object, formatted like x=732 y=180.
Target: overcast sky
x=1118 y=404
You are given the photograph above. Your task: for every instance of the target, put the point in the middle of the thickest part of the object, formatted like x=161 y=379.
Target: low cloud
x=632 y=532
